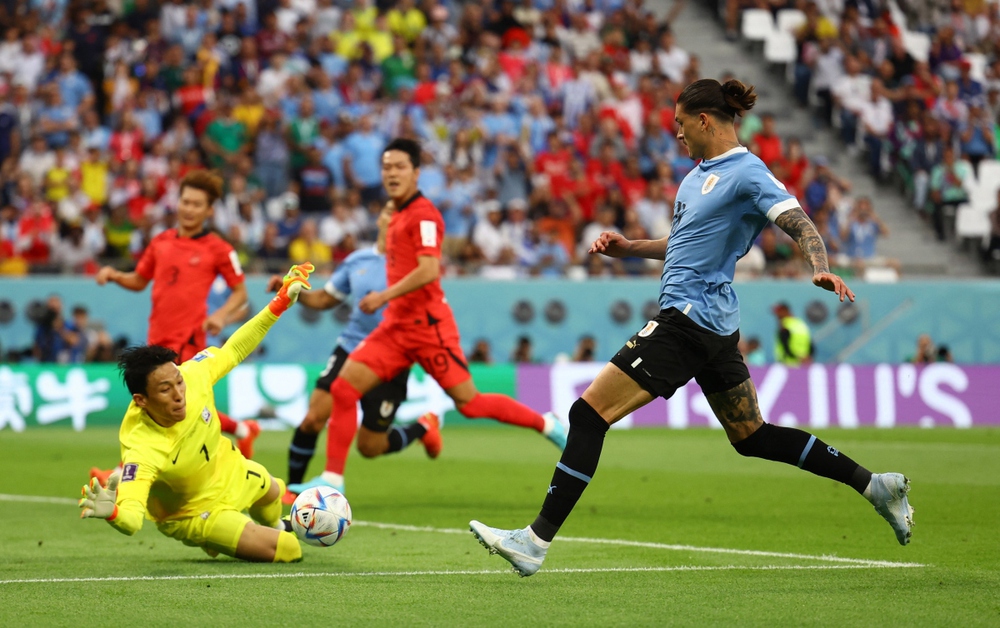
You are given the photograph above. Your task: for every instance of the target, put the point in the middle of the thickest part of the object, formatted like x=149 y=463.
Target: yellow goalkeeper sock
x=269 y=514
x=288 y=550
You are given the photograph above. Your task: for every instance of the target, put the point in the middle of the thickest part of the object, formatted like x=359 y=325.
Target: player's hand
x=214 y=323
x=105 y=275
x=372 y=302
x=611 y=244
x=833 y=283
x=293 y=283
x=98 y=501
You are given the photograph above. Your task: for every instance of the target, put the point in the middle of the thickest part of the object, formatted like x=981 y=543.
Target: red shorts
x=185 y=349
x=393 y=347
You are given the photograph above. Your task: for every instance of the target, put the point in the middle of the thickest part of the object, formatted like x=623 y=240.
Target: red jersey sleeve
x=428 y=232
x=146 y=267
x=227 y=264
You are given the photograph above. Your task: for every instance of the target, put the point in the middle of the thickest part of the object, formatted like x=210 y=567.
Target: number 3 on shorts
x=648 y=329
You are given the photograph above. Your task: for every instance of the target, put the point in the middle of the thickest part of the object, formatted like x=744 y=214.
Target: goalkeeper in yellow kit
x=177 y=469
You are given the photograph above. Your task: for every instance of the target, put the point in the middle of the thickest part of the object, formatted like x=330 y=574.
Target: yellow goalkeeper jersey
x=181 y=471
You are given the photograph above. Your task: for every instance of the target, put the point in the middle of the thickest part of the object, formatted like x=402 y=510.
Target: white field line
x=859 y=562
x=408 y=574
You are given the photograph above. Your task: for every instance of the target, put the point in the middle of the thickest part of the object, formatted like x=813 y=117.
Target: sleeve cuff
x=780 y=208
x=333 y=292
x=114 y=514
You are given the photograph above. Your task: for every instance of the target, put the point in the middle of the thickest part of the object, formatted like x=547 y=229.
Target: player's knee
x=369 y=449
x=583 y=416
x=754 y=445
x=343 y=392
x=288 y=549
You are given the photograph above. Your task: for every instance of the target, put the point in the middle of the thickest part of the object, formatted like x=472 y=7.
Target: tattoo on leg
x=736 y=405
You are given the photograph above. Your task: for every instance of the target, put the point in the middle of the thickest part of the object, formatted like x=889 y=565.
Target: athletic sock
x=400 y=437
x=300 y=452
x=228 y=425
x=802 y=449
x=575 y=469
x=504 y=409
x=342 y=426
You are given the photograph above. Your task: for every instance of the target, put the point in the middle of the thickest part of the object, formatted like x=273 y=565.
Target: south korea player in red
x=418 y=325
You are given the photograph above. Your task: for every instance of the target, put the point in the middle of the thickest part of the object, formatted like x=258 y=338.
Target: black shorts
x=379 y=406
x=671 y=349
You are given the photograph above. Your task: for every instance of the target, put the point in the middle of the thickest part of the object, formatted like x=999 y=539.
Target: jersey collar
x=409 y=201
x=727 y=154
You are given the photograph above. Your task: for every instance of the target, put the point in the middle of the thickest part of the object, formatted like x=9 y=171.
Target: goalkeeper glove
x=98 y=501
x=293 y=283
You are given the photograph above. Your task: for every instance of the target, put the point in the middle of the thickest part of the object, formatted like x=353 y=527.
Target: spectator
x=876 y=117
x=926 y=351
x=225 y=138
x=793 y=345
x=992 y=251
x=489 y=238
x=861 y=234
x=947 y=188
x=654 y=211
x=585 y=349
x=523 y=351
x=753 y=352
x=54 y=339
x=364 y=166
x=307 y=247
x=543 y=254
x=768 y=142
x=850 y=93
x=977 y=136
x=481 y=352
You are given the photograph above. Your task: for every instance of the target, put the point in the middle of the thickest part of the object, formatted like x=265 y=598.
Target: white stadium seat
x=780 y=48
x=971 y=223
x=789 y=20
x=757 y=24
x=978 y=62
x=917 y=44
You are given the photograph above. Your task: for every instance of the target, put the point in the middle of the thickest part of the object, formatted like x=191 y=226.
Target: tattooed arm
x=795 y=223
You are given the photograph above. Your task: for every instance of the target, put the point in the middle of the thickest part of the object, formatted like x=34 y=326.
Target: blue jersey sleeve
x=339 y=285
x=769 y=196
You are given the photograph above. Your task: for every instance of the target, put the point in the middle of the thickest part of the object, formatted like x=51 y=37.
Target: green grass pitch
x=811 y=552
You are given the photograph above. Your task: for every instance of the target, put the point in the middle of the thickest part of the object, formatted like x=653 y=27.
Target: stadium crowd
x=927 y=119
x=544 y=123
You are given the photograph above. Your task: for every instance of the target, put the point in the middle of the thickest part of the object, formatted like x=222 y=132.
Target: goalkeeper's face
x=166 y=395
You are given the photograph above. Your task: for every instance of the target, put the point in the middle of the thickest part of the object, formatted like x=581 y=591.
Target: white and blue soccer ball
x=321 y=516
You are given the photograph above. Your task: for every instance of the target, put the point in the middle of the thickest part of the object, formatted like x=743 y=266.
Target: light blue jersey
x=721 y=207
x=362 y=272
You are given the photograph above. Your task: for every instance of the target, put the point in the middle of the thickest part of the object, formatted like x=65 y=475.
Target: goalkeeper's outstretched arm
x=248 y=336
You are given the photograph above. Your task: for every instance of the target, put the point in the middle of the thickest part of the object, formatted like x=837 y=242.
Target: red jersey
x=182 y=271
x=415 y=229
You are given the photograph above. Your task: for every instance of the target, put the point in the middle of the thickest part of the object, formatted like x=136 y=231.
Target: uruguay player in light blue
x=721 y=207
x=361 y=273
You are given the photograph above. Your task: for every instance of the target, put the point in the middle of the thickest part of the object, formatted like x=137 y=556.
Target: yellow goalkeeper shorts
x=220 y=528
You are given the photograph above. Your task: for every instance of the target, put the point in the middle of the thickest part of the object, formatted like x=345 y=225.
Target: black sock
x=300 y=452
x=401 y=437
x=575 y=468
x=802 y=449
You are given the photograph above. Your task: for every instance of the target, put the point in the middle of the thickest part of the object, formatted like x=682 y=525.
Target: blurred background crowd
x=544 y=123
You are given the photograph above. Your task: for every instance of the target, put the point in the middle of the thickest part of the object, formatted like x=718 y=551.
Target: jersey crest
x=206 y=414
x=709 y=184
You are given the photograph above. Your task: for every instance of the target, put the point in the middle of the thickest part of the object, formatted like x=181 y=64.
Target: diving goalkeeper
x=177 y=469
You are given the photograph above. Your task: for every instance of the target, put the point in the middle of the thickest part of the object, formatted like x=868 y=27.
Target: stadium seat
x=917 y=44
x=978 y=62
x=789 y=20
x=971 y=223
x=757 y=24
x=780 y=48
x=880 y=274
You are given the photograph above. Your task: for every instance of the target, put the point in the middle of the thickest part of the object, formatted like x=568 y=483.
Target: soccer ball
x=321 y=516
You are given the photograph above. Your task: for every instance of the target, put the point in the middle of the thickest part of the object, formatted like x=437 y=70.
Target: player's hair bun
x=738 y=96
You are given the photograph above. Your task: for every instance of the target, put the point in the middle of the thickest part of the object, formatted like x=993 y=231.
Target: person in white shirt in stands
x=490 y=238
x=672 y=60
x=850 y=93
x=877 y=119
